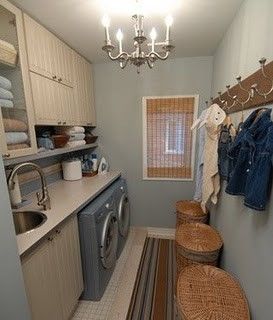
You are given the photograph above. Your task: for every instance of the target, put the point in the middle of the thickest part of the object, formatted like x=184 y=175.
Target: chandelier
x=138 y=57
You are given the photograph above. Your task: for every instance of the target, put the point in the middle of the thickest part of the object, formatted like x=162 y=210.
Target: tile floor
x=113 y=304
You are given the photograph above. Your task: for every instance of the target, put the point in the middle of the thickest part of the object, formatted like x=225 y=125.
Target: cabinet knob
x=54 y=77
x=50 y=238
x=60 y=79
x=6 y=155
x=59 y=122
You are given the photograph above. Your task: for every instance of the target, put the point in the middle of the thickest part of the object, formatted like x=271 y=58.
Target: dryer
x=122 y=204
x=98 y=230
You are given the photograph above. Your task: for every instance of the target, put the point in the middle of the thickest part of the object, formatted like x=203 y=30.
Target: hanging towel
x=6 y=103
x=211 y=178
x=14 y=125
x=16 y=137
x=77 y=137
x=70 y=130
x=18 y=146
x=5 y=83
x=72 y=144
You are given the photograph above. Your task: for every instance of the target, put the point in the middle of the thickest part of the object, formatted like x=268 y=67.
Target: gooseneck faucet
x=44 y=199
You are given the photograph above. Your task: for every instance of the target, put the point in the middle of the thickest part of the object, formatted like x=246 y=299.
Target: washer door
x=124 y=215
x=109 y=241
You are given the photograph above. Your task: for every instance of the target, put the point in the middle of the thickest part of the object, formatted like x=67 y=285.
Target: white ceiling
x=198 y=24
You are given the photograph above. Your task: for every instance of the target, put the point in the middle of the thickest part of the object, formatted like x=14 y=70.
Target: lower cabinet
x=53 y=274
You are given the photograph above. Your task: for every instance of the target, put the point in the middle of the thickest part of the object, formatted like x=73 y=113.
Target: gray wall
x=118 y=95
x=247 y=234
x=13 y=302
x=248 y=38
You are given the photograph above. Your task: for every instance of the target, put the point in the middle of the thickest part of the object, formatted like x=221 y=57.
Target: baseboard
x=163 y=233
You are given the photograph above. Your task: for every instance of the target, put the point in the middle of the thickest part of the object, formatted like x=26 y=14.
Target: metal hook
x=211 y=100
x=222 y=101
x=207 y=103
x=254 y=87
x=231 y=97
x=242 y=103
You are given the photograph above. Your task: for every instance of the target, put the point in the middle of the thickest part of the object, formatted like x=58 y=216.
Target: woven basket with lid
x=206 y=292
x=189 y=211
x=197 y=243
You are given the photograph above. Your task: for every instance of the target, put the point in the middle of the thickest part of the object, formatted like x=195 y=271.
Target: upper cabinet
x=61 y=79
x=48 y=55
x=17 y=136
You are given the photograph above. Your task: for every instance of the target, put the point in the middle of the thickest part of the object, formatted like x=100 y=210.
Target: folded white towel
x=5 y=83
x=70 y=130
x=72 y=144
x=5 y=94
x=77 y=137
x=16 y=137
x=6 y=103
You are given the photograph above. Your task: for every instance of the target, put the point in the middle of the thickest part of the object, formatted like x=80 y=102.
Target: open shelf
x=47 y=154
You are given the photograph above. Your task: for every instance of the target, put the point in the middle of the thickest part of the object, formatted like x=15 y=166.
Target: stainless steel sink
x=26 y=221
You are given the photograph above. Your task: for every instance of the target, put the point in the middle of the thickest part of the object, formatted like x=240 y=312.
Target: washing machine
x=98 y=229
x=122 y=205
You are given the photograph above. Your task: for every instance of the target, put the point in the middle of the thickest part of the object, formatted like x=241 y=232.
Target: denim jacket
x=251 y=155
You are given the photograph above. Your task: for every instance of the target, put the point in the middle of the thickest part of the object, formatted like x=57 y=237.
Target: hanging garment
x=5 y=83
x=211 y=179
x=200 y=155
x=227 y=136
x=251 y=155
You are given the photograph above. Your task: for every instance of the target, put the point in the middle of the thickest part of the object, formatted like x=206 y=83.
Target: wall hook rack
x=222 y=101
x=233 y=98
x=254 y=87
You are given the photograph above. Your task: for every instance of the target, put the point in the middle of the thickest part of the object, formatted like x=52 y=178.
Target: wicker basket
x=205 y=292
x=189 y=211
x=197 y=243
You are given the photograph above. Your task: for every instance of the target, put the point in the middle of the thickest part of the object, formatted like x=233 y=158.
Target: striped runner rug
x=153 y=295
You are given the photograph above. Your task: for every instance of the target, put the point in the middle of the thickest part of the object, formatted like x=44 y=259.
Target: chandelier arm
x=150 y=63
x=158 y=56
x=123 y=63
x=123 y=55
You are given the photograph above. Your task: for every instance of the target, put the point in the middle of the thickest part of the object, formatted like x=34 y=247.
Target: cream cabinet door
x=83 y=90
x=53 y=274
x=21 y=108
x=53 y=102
x=47 y=54
x=68 y=266
x=41 y=283
x=46 y=100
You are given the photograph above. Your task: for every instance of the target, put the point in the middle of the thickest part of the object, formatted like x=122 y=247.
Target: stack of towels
x=16 y=134
x=76 y=136
x=6 y=96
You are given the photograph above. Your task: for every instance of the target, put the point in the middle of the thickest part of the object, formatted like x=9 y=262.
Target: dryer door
x=124 y=215
x=109 y=241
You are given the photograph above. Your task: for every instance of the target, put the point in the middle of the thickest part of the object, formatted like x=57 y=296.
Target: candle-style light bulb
x=106 y=23
x=169 y=22
x=153 y=37
x=119 y=36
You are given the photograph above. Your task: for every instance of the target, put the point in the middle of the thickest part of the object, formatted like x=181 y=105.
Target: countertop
x=67 y=197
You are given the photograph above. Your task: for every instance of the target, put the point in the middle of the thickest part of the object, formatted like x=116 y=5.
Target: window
x=168 y=143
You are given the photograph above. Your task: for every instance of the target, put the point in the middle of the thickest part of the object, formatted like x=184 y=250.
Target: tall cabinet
x=17 y=136
x=61 y=79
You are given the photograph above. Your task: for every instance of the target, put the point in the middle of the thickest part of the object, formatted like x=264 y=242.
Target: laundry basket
x=197 y=243
x=206 y=292
x=189 y=211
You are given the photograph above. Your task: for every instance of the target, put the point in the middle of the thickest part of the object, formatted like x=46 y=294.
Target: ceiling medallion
x=138 y=57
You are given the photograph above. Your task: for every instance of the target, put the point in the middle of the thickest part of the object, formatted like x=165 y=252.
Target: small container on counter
x=72 y=169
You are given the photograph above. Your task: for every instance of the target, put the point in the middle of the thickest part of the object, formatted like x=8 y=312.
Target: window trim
x=144 y=137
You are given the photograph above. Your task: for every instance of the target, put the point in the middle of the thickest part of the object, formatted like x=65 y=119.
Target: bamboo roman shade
x=168 y=137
